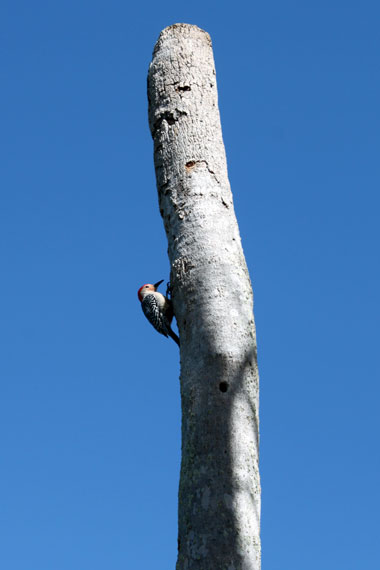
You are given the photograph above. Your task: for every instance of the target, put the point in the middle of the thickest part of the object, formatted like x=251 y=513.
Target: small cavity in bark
x=223 y=386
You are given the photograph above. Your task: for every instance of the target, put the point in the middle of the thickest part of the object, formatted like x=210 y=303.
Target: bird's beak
x=157 y=284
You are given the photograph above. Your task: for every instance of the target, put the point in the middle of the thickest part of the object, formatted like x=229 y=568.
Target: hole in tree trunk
x=223 y=386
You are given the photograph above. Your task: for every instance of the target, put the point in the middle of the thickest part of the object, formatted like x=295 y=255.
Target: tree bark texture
x=219 y=493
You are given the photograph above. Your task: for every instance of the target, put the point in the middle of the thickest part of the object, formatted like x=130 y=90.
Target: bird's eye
x=146 y=286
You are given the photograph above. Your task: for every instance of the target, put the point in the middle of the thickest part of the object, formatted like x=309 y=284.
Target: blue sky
x=89 y=403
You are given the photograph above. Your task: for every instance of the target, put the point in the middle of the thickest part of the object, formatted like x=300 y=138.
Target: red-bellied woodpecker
x=157 y=309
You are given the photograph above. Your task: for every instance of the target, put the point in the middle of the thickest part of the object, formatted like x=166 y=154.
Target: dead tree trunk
x=219 y=494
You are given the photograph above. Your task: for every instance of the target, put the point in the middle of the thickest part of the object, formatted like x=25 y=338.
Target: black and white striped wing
x=154 y=314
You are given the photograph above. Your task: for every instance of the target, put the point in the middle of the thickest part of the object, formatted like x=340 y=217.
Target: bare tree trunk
x=219 y=494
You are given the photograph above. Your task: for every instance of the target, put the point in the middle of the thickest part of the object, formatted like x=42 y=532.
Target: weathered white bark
x=219 y=495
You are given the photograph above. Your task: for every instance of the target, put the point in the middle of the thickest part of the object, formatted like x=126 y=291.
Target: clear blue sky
x=89 y=415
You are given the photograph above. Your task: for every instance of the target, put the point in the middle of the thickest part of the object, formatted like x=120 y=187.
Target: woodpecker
x=158 y=309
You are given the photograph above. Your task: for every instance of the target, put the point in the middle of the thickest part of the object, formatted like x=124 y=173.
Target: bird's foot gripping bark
x=168 y=293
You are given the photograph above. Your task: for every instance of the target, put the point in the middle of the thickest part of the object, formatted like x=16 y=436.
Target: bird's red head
x=148 y=287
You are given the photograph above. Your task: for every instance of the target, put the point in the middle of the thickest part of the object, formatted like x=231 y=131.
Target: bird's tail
x=173 y=336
